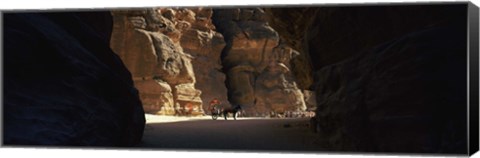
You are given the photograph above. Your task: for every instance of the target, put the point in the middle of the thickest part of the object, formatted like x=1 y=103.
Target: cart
x=216 y=111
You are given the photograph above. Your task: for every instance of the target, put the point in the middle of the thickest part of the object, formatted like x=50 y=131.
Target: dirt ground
x=243 y=134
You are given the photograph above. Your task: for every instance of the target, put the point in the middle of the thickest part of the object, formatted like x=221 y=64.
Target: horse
x=235 y=110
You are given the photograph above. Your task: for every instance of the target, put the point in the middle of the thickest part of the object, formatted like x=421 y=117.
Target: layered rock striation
x=148 y=41
x=256 y=63
x=201 y=40
x=63 y=85
x=179 y=60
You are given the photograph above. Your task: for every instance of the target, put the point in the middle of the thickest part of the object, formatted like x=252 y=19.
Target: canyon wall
x=257 y=63
x=386 y=78
x=201 y=40
x=63 y=85
x=148 y=41
x=177 y=56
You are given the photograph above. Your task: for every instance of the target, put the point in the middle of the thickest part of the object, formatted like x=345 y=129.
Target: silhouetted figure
x=234 y=110
x=189 y=108
x=178 y=110
x=215 y=108
x=214 y=105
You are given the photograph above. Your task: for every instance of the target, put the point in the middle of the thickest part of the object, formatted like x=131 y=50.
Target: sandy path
x=242 y=134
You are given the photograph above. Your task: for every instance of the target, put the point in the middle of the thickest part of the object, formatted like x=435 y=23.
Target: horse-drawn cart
x=217 y=111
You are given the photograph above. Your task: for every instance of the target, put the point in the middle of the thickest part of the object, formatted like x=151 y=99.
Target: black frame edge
x=473 y=135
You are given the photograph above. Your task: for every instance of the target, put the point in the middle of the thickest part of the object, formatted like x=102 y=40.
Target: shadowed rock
x=387 y=78
x=63 y=85
x=256 y=63
x=205 y=45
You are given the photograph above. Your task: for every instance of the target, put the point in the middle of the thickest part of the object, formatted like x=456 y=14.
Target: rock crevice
x=257 y=63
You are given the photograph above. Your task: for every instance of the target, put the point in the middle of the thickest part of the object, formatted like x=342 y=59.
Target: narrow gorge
x=379 y=78
x=372 y=72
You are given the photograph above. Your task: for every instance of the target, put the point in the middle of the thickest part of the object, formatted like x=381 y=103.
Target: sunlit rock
x=256 y=63
x=149 y=44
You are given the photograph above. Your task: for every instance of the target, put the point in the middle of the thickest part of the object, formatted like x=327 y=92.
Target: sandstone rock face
x=388 y=79
x=148 y=41
x=292 y=25
x=310 y=100
x=329 y=36
x=180 y=47
x=200 y=40
x=63 y=85
x=256 y=63
x=159 y=96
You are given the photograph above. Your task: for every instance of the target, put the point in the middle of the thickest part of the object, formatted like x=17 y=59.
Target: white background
x=120 y=153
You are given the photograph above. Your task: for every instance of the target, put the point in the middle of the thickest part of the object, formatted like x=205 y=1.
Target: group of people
x=293 y=114
x=215 y=106
x=186 y=110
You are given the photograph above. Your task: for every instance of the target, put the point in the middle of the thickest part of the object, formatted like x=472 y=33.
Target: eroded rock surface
x=200 y=40
x=256 y=63
x=63 y=85
x=148 y=41
x=310 y=100
x=387 y=78
x=400 y=97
